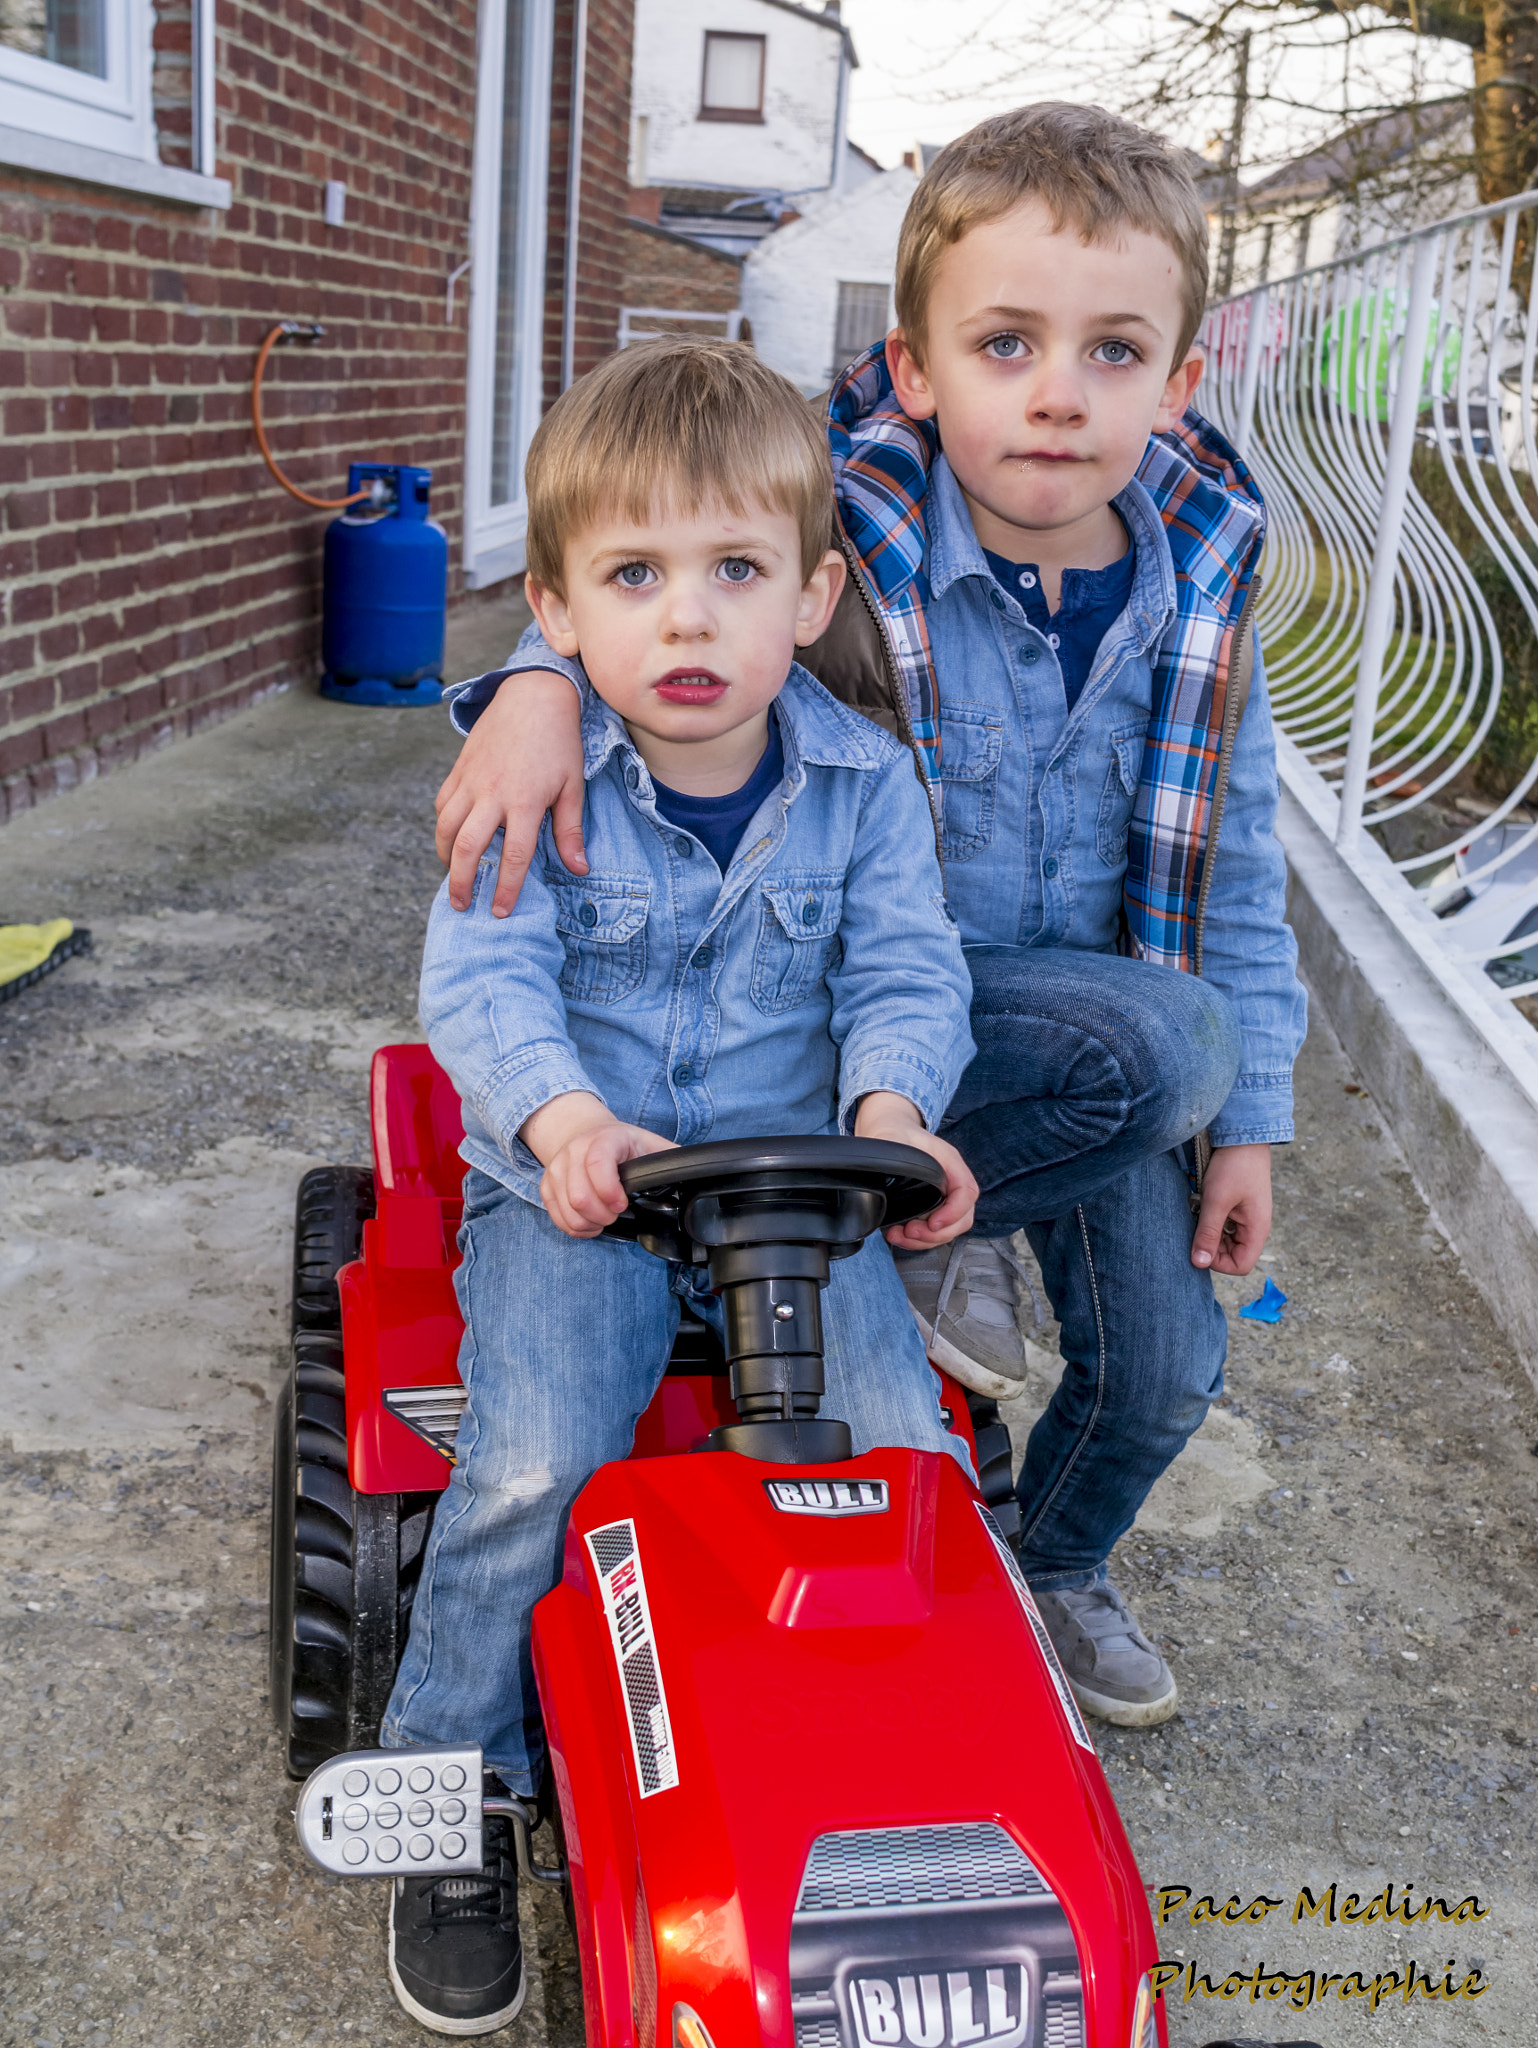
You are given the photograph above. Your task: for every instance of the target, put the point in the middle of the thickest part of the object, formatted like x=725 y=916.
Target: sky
x=928 y=72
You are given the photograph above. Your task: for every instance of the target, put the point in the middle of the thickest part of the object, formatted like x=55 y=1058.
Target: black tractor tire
x=334 y=1204
x=995 y=1479
x=345 y=1567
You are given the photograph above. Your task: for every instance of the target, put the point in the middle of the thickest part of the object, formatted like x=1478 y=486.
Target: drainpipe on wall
x=574 y=193
x=841 y=109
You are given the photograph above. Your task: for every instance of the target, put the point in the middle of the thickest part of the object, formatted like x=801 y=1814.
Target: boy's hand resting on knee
x=581 y=1146
x=1235 y=1218
x=896 y=1119
x=523 y=757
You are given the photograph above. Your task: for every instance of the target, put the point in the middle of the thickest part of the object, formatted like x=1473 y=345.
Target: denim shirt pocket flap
x=1121 y=781
x=971 y=742
x=601 y=922
x=798 y=942
x=809 y=911
x=1129 y=742
x=601 y=910
x=971 y=747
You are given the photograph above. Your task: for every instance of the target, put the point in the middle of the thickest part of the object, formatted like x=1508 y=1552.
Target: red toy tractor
x=818 y=1777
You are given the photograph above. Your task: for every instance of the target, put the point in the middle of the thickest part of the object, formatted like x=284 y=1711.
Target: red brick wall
x=152 y=575
x=666 y=270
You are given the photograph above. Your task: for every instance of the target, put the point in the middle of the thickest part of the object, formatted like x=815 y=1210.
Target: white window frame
x=494 y=534
x=101 y=131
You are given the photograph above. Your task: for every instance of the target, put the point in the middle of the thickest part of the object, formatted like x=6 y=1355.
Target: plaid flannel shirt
x=1215 y=521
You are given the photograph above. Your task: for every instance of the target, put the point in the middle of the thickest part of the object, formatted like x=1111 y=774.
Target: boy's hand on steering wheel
x=521 y=758
x=582 y=1147
x=896 y=1119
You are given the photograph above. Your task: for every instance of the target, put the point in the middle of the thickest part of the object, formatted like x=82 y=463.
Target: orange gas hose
x=274 y=336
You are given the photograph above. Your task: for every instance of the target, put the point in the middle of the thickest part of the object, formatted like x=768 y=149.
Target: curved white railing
x=1386 y=404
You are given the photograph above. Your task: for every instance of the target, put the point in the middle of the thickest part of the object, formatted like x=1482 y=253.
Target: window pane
x=506 y=481
x=862 y=311
x=734 y=73
x=72 y=32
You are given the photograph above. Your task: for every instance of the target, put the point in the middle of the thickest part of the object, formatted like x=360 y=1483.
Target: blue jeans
x=565 y=1342
x=1091 y=1070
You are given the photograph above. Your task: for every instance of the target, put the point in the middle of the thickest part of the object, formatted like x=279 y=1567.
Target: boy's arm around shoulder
x=491 y=1003
x=467 y=700
x=1248 y=950
x=901 y=992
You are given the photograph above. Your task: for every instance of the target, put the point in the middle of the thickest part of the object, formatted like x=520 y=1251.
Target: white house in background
x=1378 y=178
x=818 y=290
x=739 y=112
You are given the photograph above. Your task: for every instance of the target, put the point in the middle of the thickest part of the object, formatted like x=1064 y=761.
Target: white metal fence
x=1386 y=404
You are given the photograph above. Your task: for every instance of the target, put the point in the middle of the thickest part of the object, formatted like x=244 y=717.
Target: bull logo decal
x=942 y=2009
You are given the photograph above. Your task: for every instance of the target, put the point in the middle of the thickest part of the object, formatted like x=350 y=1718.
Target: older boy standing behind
x=1052 y=575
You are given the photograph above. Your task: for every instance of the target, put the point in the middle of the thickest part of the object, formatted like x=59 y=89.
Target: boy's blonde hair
x=676 y=424
x=1091 y=170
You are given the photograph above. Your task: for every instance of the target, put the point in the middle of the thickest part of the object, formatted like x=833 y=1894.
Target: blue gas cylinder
x=386 y=588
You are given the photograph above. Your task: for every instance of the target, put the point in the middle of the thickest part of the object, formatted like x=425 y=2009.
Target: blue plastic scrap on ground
x=1267 y=1306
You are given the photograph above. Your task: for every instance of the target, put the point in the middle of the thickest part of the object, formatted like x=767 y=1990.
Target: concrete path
x=1342 y=1566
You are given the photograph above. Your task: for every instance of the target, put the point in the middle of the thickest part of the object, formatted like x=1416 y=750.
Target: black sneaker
x=456 y=1958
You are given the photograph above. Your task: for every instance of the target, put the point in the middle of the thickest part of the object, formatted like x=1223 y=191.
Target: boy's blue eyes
x=636 y=575
x=1010 y=348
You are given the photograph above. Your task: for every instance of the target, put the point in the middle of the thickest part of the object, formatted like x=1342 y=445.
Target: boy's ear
x=819 y=599
x=1179 y=391
x=552 y=616
x=908 y=378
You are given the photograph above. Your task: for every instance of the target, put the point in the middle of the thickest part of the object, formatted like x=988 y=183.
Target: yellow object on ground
x=29 y=951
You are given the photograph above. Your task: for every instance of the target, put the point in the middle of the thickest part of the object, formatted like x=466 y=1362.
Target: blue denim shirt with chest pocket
x=1037 y=800
x=821 y=967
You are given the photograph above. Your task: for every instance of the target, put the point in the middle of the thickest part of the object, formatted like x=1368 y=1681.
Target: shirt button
x=683 y=1075
x=683 y=847
x=1049 y=866
x=1054 y=765
x=1053 y=641
x=632 y=776
x=702 y=958
x=1029 y=653
x=996 y=599
x=1027 y=579
x=587 y=916
x=811 y=910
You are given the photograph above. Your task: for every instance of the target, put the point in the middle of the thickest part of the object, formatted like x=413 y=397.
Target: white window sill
x=493 y=563
x=24 y=151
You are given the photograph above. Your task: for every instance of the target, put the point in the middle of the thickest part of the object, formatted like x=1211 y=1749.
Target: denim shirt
x=822 y=966
x=1037 y=800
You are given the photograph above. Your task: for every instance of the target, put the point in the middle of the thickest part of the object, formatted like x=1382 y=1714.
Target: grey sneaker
x=1115 y=1671
x=964 y=1297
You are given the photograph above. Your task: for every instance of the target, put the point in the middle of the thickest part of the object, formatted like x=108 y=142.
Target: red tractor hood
x=814 y=1718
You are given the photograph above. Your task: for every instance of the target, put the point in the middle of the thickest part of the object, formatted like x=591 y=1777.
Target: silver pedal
x=394 y=1812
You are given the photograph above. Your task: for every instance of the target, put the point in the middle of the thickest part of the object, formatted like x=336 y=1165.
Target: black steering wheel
x=831 y=1191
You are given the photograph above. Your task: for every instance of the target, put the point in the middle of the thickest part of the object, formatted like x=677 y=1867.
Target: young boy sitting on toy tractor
x=760 y=945
x=1052 y=573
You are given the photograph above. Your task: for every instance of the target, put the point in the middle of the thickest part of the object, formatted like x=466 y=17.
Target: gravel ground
x=1342 y=1566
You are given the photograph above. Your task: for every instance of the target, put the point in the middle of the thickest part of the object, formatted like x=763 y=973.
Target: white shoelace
x=1010 y=1256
